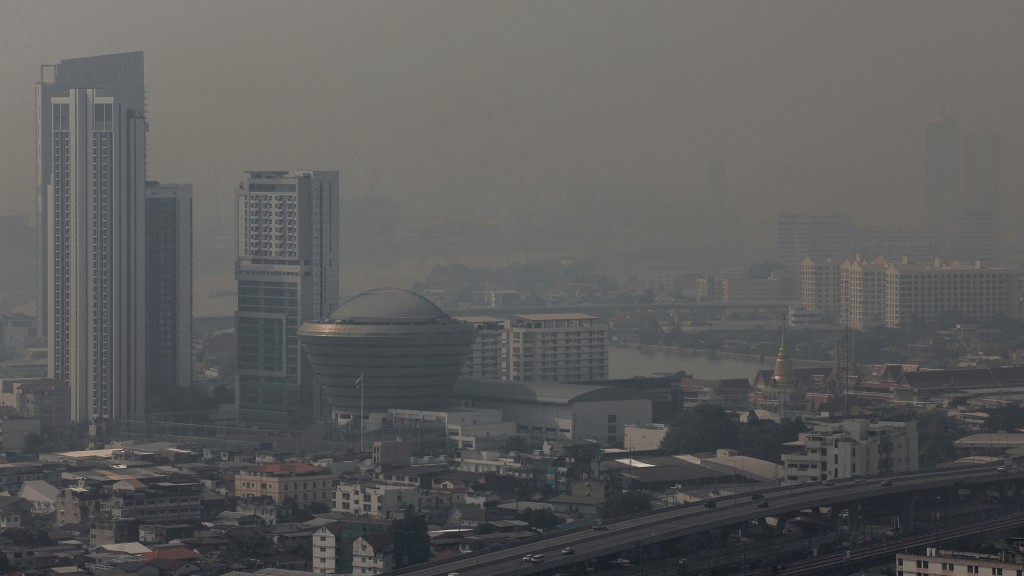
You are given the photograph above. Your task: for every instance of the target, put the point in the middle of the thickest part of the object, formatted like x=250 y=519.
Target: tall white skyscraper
x=91 y=184
x=168 y=291
x=287 y=272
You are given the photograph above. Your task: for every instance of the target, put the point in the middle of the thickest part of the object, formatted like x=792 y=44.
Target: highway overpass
x=676 y=522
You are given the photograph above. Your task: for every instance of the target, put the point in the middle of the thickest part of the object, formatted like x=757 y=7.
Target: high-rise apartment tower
x=287 y=273
x=168 y=290
x=91 y=158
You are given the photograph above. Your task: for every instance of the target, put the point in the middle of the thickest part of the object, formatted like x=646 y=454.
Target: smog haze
x=489 y=118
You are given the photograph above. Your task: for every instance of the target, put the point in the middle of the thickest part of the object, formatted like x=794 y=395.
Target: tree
x=254 y=545
x=1004 y=419
x=703 y=428
x=624 y=504
x=764 y=438
x=539 y=519
x=936 y=432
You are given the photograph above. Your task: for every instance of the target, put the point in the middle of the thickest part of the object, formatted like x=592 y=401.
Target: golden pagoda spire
x=783 y=365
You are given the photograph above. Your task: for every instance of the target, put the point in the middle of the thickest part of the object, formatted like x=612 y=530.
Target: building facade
x=557 y=348
x=862 y=292
x=923 y=292
x=818 y=236
x=977 y=228
x=487 y=356
x=168 y=289
x=304 y=483
x=287 y=273
x=821 y=287
x=374 y=500
x=91 y=126
x=851 y=448
x=942 y=179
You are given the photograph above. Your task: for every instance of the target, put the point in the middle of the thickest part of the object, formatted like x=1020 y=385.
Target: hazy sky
x=433 y=100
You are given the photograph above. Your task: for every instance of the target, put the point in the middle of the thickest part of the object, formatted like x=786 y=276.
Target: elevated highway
x=675 y=522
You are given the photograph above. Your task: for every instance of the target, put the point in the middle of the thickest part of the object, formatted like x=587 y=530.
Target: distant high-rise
x=118 y=75
x=287 y=273
x=715 y=183
x=819 y=236
x=168 y=290
x=91 y=158
x=942 y=179
x=976 y=232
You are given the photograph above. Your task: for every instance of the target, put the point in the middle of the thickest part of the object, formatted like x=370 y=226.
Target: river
x=626 y=362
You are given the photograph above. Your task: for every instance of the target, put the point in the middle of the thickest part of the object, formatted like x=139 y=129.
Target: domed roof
x=388 y=304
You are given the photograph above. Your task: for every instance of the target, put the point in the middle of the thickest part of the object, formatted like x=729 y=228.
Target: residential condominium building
x=851 y=448
x=168 y=290
x=862 y=292
x=287 y=273
x=821 y=287
x=923 y=292
x=487 y=356
x=557 y=348
x=91 y=159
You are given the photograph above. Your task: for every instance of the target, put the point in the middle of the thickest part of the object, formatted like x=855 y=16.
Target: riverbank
x=709 y=353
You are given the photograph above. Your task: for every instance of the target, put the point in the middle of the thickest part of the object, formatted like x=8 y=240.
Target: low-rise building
x=557 y=411
x=14 y=430
x=851 y=448
x=950 y=562
x=42 y=398
x=374 y=500
x=334 y=543
x=373 y=554
x=304 y=483
x=732 y=394
x=643 y=438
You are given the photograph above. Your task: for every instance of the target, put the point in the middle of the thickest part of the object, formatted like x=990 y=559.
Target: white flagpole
x=362 y=391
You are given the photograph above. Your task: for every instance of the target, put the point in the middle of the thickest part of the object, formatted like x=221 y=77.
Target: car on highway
x=886 y=482
x=711 y=504
x=599 y=525
x=762 y=504
x=537 y=558
x=1002 y=470
x=567 y=551
x=757 y=496
x=827 y=483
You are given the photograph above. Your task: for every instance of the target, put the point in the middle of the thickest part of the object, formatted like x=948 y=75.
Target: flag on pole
x=359 y=381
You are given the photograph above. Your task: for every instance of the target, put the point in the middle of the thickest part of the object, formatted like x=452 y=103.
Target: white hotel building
x=557 y=348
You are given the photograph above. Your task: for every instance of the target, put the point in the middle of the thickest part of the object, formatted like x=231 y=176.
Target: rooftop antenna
x=846 y=374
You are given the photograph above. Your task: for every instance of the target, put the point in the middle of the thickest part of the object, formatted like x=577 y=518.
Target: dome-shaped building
x=408 y=351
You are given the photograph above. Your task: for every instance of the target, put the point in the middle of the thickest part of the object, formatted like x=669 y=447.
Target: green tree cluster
x=624 y=504
x=539 y=519
x=708 y=427
x=936 y=432
x=1004 y=419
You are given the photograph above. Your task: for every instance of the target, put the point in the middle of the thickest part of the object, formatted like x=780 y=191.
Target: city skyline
x=627 y=109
